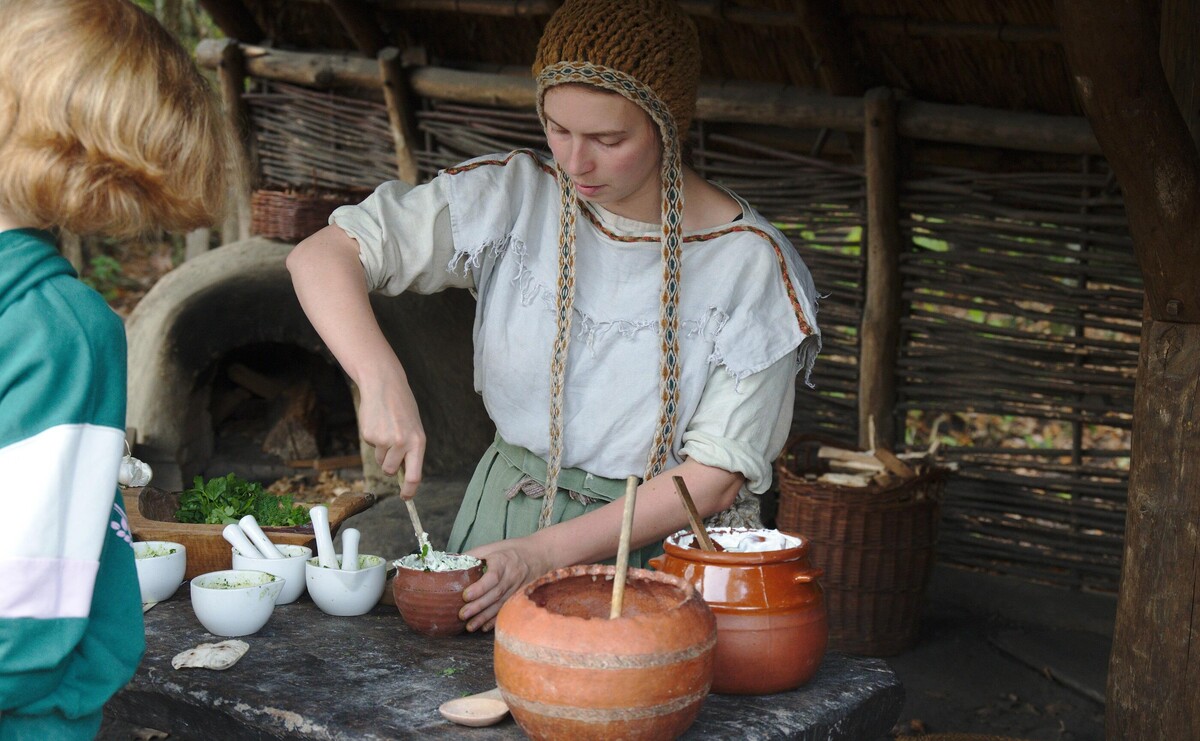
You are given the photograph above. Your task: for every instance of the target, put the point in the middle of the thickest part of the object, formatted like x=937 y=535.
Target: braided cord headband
x=672 y=256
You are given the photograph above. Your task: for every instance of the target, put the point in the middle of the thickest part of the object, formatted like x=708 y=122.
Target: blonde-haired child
x=107 y=128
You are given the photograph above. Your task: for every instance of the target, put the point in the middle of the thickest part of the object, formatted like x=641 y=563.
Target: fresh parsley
x=223 y=500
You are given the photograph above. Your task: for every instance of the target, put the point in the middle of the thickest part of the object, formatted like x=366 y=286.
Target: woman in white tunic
x=632 y=318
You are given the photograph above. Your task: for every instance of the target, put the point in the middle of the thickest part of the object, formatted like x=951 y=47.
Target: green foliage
x=105 y=276
x=228 y=499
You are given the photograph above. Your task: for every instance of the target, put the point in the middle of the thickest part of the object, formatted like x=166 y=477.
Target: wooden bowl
x=151 y=514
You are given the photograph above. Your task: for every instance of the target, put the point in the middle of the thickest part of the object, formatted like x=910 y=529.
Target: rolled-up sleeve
x=742 y=426
x=405 y=241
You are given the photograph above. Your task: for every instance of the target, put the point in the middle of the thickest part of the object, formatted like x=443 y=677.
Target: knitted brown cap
x=652 y=41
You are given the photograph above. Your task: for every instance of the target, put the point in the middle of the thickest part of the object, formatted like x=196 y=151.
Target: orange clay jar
x=568 y=671
x=772 y=627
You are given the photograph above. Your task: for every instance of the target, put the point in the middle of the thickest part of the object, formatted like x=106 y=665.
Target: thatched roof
x=1002 y=54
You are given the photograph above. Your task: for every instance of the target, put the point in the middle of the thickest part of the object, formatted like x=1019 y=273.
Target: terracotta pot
x=567 y=671
x=429 y=601
x=772 y=626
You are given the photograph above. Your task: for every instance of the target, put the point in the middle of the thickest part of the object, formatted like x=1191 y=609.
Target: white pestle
x=326 y=555
x=259 y=538
x=238 y=540
x=350 y=549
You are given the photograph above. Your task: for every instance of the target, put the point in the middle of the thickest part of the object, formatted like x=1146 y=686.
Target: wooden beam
x=361 y=24
x=396 y=98
x=880 y=334
x=735 y=102
x=1004 y=32
x=231 y=74
x=234 y=20
x=1112 y=50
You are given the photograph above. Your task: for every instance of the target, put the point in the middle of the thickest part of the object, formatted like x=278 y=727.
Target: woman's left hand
x=511 y=564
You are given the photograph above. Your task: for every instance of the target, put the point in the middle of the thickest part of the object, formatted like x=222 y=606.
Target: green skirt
x=497 y=505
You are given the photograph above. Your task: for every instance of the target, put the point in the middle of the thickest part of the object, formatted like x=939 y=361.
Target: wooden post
x=1113 y=52
x=879 y=337
x=395 y=93
x=231 y=72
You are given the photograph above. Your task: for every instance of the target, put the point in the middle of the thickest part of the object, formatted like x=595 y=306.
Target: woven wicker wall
x=1022 y=302
x=1025 y=303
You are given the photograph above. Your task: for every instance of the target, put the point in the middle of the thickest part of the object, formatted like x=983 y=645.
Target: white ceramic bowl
x=160 y=568
x=339 y=592
x=290 y=568
x=235 y=602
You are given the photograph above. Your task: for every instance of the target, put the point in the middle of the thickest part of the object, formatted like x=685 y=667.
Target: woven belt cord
x=672 y=256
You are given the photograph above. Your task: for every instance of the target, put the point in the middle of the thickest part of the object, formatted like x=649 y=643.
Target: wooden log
x=734 y=102
x=256 y=383
x=231 y=73
x=1004 y=32
x=880 y=332
x=293 y=434
x=396 y=97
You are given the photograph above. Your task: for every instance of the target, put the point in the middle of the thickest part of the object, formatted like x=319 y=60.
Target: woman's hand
x=511 y=564
x=389 y=420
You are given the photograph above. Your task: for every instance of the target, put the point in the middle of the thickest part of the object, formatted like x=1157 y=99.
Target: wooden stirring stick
x=693 y=516
x=422 y=538
x=618 y=595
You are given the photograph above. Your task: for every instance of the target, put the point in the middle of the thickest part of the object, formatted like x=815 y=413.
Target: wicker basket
x=290 y=215
x=875 y=543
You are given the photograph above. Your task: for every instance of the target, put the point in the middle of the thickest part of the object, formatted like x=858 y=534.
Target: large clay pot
x=772 y=627
x=569 y=672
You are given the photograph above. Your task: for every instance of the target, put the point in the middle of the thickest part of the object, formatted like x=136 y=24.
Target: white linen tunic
x=747 y=315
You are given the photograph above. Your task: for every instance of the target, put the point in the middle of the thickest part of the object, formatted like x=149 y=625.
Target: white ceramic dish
x=346 y=593
x=235 y=602
x=160 y=568
x=290 y=567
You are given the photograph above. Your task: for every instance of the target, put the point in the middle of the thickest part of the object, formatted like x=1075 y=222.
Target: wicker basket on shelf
x=291 y=215
x=876 y=544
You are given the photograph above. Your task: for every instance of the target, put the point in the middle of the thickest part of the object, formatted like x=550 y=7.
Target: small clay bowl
x=429 y=601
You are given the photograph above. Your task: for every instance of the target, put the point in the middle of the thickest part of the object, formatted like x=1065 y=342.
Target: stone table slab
x=309 y=675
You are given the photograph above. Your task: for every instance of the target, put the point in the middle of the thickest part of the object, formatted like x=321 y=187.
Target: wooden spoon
x=693 y=516
x=483 y=709
x=618 y=594
x=422 y=538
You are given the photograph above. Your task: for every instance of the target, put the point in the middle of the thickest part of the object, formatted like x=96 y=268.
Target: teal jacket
x=71 y=631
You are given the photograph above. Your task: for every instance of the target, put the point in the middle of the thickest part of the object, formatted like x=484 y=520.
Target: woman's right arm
x=330 y=282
